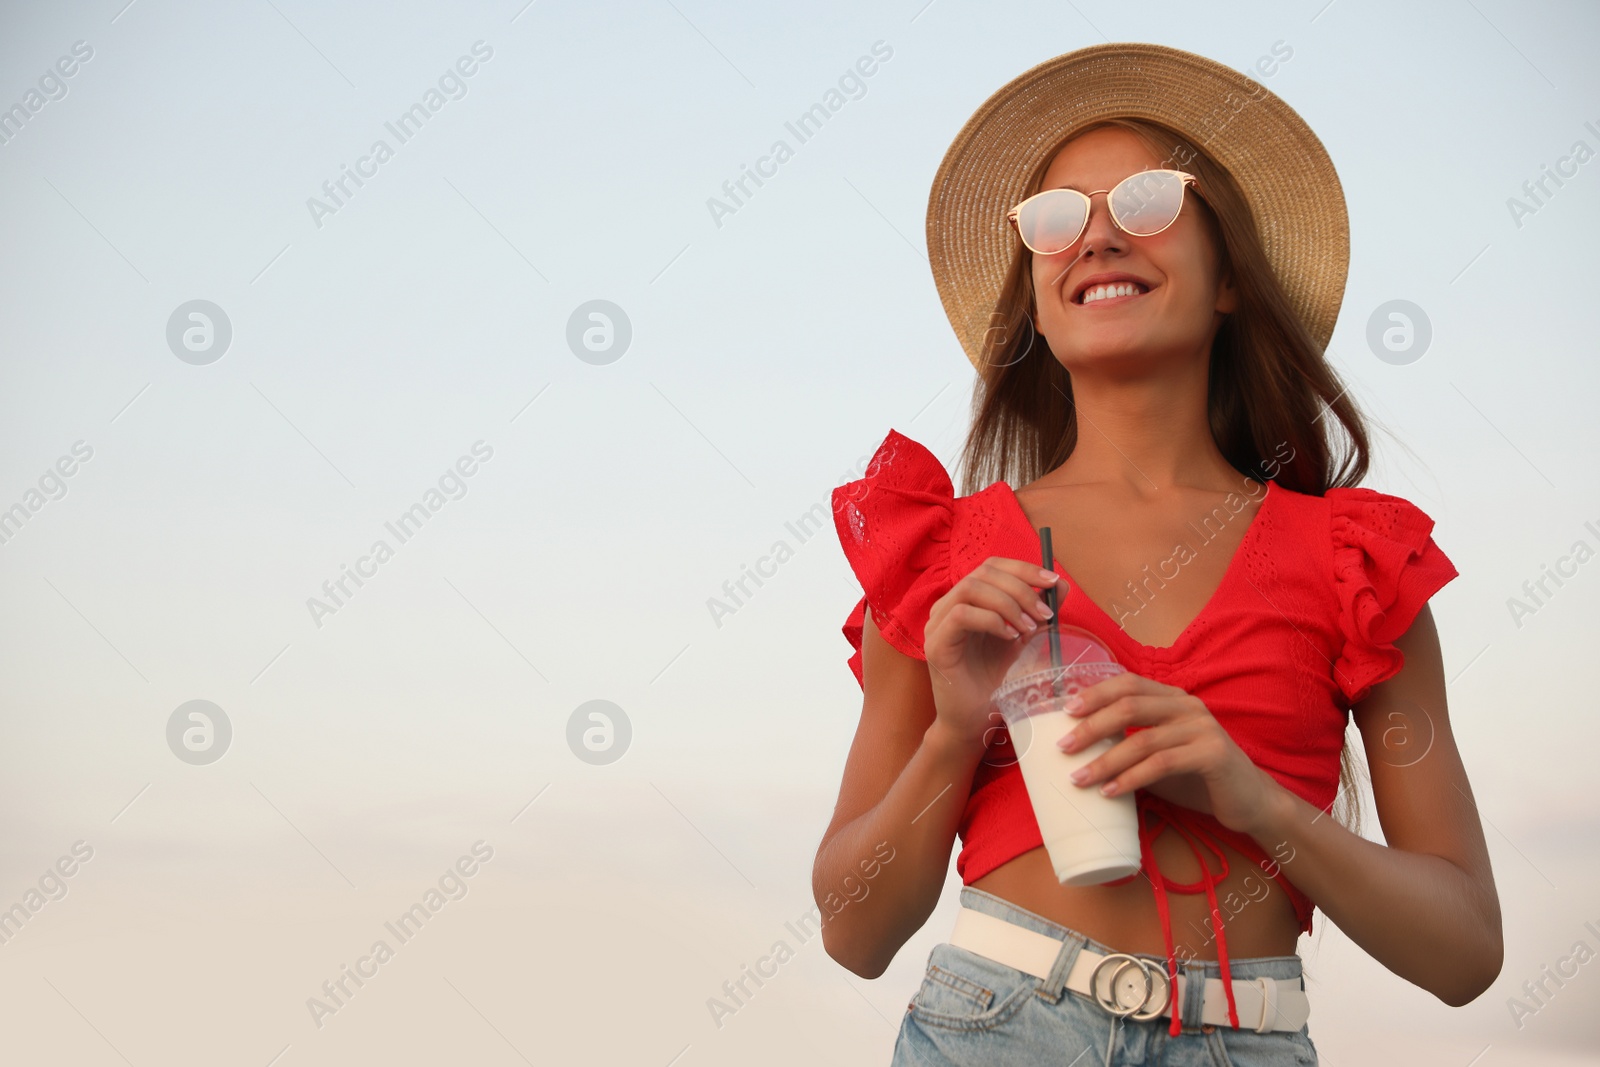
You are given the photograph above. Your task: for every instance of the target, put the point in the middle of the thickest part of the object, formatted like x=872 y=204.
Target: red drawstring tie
x=1168 y=814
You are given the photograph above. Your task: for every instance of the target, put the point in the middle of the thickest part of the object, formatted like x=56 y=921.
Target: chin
x=1104 y=346
x=1132 y=346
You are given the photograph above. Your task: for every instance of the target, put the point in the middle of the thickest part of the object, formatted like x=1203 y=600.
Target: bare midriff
x=1257 y=917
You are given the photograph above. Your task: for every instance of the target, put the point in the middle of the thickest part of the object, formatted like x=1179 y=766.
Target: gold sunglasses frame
x=1187 y=180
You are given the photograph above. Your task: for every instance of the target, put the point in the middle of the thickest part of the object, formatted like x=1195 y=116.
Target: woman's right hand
x=974 y=634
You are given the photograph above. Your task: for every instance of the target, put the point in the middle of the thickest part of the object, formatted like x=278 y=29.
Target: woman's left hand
x=1182 y=753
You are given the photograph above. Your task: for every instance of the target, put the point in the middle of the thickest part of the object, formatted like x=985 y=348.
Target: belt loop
x=1269 y=1004
x=1054 y=985
x=1194 y=994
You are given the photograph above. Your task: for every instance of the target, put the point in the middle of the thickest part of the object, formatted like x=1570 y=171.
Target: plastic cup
x=1090 y=838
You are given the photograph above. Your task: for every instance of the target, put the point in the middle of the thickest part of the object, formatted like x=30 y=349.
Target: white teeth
x=1100 y=292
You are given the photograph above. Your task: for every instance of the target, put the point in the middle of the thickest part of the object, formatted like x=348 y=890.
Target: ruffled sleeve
x=894 y=524
x=1385 y=568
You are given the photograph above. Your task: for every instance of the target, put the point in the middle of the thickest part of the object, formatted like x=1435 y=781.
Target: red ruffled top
x=1300 y=630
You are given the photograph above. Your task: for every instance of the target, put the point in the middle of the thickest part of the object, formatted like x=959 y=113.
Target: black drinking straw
x=1050 y=601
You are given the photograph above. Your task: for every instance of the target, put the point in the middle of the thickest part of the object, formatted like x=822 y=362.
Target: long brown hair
x=1269 y=383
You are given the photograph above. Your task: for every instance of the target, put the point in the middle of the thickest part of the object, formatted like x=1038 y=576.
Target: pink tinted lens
x=1051 y=221
x=1147 y=202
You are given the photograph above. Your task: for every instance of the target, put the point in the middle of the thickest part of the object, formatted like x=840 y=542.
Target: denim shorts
x=973 y=1010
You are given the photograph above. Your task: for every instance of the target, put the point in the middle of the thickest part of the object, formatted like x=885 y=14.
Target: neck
x=1149 y=433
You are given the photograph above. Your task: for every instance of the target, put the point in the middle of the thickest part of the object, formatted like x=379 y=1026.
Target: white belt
x=1127 y=985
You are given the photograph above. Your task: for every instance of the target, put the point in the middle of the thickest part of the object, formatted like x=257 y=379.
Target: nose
x=1100 y=234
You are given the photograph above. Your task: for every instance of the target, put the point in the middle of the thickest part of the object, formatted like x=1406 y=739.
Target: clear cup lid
x=1077 y=654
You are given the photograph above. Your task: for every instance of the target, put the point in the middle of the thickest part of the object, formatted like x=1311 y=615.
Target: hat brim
x=1280 y=165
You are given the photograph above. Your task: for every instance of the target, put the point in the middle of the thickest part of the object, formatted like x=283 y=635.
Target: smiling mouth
x=1114 y=293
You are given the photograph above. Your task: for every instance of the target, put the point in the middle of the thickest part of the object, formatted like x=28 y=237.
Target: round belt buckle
x=1131 y=998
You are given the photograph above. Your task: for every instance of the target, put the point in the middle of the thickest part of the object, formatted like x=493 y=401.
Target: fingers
x=1018 y=577
x=1145 y=756
x=1094 y=698
x=976 y=619
x=1112 y=719
x=1003 y=588
x=1110 y=707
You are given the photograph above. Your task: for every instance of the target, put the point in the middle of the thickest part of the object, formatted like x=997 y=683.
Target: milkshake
x=1090 y=838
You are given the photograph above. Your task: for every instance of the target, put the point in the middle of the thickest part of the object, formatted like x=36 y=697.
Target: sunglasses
x=1141 y=204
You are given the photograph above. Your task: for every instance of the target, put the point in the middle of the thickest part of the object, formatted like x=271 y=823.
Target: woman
x=1150 y=354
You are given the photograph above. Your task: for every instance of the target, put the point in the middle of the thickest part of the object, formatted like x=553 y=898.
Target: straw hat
x=1278 y=162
